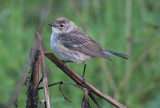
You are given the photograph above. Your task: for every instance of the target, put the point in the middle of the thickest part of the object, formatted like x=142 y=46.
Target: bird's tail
x=107 y=52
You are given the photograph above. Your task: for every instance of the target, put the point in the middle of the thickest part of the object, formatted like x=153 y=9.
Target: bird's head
x=62 y=25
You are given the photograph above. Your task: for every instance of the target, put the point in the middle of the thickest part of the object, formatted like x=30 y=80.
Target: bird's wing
x=82 y=43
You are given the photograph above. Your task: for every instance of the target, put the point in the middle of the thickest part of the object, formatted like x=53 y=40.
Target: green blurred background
x=127 y=26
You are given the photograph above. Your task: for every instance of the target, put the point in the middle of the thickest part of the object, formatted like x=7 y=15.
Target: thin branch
x=61 y=82
x=63 y=93
x=42 y=103
x=50 y=85
x=82 y=102
x=86 y=98
x=45 y=80
x=74 y=76
x=94 y=100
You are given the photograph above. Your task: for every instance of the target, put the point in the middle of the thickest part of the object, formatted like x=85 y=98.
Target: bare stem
x=74 y=76
x=45 y=80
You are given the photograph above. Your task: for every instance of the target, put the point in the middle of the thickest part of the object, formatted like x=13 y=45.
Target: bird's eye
x=61 y=25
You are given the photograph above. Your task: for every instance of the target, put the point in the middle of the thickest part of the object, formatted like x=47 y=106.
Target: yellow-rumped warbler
x=73 y=45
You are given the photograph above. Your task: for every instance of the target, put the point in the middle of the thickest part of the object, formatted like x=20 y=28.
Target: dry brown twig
x=74 y=76
x=45 y=80
x=42 y=103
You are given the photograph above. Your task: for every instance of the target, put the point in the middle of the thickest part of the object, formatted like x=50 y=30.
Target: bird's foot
x=83 y=79
x=64 y=63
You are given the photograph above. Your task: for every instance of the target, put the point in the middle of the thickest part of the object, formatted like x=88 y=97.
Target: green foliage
x=103 y=20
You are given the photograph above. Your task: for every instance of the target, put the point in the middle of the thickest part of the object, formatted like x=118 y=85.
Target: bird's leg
x=85 y=64
x=64 y=62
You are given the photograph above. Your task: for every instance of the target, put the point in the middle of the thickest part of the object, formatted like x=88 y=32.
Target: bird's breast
x=66 y=53
x=56 y=45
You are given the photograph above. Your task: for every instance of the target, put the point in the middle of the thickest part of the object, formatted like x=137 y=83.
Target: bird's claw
x=64 y=63
x=83 y=79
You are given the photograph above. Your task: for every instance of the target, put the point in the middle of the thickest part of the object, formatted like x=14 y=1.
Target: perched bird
x=73 y=45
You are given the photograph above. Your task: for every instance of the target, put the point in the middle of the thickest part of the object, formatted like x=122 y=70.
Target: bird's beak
x=52 y=24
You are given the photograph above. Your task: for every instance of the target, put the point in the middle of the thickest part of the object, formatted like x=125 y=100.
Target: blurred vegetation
x=127 y=26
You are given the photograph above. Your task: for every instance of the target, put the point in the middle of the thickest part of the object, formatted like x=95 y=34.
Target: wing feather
x=81 y=42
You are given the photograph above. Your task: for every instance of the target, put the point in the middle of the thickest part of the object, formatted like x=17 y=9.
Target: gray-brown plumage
x=73 y=45
x=80 y=42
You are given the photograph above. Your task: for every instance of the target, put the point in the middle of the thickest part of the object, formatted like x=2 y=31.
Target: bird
x=72 y=44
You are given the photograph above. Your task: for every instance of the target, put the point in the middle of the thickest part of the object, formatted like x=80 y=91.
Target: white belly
x=65 y=53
